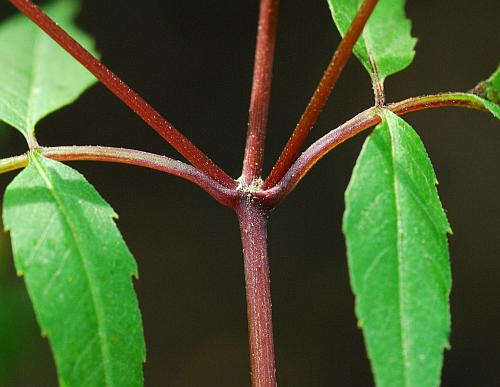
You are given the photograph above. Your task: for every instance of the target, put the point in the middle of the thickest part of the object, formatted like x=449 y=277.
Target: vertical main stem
x=253 y=225
x=261 y=91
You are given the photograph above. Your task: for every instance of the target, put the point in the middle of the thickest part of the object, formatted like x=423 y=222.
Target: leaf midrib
x=95 y=302
x=34 y=79
x=397 y=205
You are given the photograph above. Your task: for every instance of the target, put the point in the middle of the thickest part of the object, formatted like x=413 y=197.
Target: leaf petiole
x=220 y=193
x=126 y=94
x=363 y=121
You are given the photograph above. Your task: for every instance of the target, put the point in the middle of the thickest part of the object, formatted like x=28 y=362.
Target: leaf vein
x=95 y=302
x=397 y=204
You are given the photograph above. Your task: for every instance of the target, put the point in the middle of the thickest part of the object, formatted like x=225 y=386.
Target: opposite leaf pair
x=78 y=269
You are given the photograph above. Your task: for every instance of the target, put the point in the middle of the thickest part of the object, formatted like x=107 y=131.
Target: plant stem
x=119 y=88
x=321 y=94
x=253 y=225
x=261 y=91
x=222 y=194
x=377 y=84
x=252 y=217
x=459 y=99
x=229 y=196
x=355 y=125
x=13 y=163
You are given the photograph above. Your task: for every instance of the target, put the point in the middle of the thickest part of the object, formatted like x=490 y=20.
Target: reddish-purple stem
x=253 y=217
x=321 y=94
x=223 y=195
x=135 y=102
x=253 y=225
x=261 y=92
x=355 y=125
x=251 y=203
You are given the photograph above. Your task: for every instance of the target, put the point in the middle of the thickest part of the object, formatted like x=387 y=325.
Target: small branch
x=321 y=95
x=355 y=125
x=223 y=195
x=13 y=163
x=261 y=91
x=458 y=99
x=378 y=85
x=253 y=225
x=125 y=94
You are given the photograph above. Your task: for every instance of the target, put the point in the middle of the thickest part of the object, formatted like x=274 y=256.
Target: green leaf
x=398 y=257
x=386 y=40
x=37 y=76
x=78 y=272
x=492 y=107
x=490 y=89
x=488 y=93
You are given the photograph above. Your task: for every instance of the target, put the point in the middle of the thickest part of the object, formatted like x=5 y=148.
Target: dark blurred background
x=193 y=61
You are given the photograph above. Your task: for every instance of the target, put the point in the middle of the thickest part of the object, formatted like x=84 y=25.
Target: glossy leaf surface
x=398 y=256
x=386 y=40
x=78 y=272
x=37 y=76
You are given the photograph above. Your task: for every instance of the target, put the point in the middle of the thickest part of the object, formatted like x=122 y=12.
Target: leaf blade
x=37 y=76
x=490 y=88
x=398 y=258
x=386 y=39
x=487 y=93
x=77 y=269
